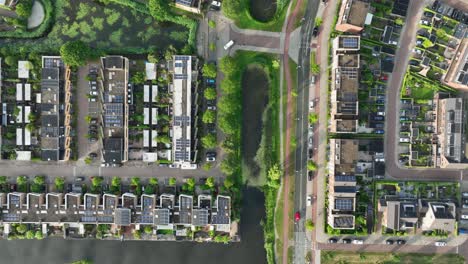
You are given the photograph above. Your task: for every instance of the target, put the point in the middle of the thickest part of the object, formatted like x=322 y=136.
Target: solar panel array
x=181 y=120
x=344 y=204
x=11 y=217
x=161 y=216
x=350 y=43
x=185 y=58
x=346 y=178
x=180 y=76
x=88 y=219
x=122 y=216
x=222 y=216
x=200 y=217
x=106 y=219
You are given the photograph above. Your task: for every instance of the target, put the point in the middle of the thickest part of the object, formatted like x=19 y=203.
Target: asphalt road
x=302 y=110
x=393 y=169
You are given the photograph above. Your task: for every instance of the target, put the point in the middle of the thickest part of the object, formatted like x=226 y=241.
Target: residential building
x=345 y=84
x=450 y=130
x=150 y=119
x=352 y=16
x=399 y=215
x=342 y=183
x=439 y=216
x=52 y=109
x=114 y=72
x=183 y=69
x=126 y=210
x=193 y=6
x=457 y=74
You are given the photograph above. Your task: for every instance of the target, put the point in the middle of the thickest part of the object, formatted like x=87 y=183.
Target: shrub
x=75 y=53
x=209 y=141
x=209 y=70
x=210 y=93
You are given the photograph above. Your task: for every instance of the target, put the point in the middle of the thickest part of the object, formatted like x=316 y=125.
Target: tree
x=211 y=23
x=191 y=183
x=309 y=225
x=116 y=182
x=96 y=181
x=59 y=183
x=210 y=183
x=210 y=93
x=38 y=235
x=3 y=180
x=209 y=117
x=427 y=43
x=228 y=183
x=24 y=8
x=164 y=139
x=442 y=34
x=152 y=58
x=11 y=61
x=172 y=181
x=274 y=175
x=21 y=180
x=29 y=234
x=137 y=234
x=399 y=21
x=311 y=165
x=313 y=118
x=159 y=9
x=209 y=70
x=21 y=228
x=153 y=181
x=209 y=141
x=138 y=78
x=315 y=68
x=148 y=229
x=75 y=53
x=135 y=181
x=318 y=21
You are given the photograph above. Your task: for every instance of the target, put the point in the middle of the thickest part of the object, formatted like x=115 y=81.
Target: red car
x=297 y=216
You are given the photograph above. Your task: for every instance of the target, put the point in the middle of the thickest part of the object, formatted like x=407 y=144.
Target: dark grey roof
x=343 y=221
x=345 y=178
x=185 y=209
x=223 y=212
x=442 y=211
x=345 y=189
x=113 y=150
x=400 y=7
x=387 y=34
x=111 y=62
x=122 y=216
x=200 y=217
x=49 y=75
x=162 y=216
x=50 y=155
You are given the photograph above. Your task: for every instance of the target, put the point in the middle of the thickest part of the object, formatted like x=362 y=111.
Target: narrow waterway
x=52 y=251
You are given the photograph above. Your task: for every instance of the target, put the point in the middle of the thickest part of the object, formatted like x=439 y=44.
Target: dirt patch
x=255 y=85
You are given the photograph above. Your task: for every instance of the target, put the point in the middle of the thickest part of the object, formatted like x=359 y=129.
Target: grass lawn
x=332 y=257
x=245 y=20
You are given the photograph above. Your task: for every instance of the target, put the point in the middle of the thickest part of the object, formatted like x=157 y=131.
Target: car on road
x=309 y=200
x=311 y=104
x=401 y=242
x=465 y=206
x=358 y=241
x=229 y=44
x=332 y=240
x=297 y=216
x=92 y=99
x=315 y=31
x=346 y=241
x=93 y=93
x=440 y=243
x=380 y=102
x=69 y=187
x=389 y=242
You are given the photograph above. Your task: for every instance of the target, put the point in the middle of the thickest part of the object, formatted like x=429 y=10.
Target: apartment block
x=352 y=16
x=450 y=130
x=163 y=212
x=345 y=84
x=342 y=183
x=114 y=72
x=183 y=69
x=457 y=74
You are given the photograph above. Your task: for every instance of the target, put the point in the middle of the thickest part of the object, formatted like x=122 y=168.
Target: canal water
x=52 y=251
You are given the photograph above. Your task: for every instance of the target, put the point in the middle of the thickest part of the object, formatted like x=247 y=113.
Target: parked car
x=315 y=32
x=310 y=175
x=297 y=216
x=93 y=155
x=346 y=241
x=12 y=187
x=358 y=241
x=93 y=121
x=92 y=139
x=93 y=93
x=378 y=118
x=440 y=243
x=211 y=156
x=379 y=131
x=389 y=242
x=229 y=44
x=401 y=242
x=216 y=5
x=309 y=200
x=332 y=240
x=465 y=194
x=211 y=107
x=311 y=104
x=210 y=81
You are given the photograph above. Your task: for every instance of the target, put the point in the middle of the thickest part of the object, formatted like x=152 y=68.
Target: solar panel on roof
x=350 y=42
x=178 y=57
x=344 y=204
x=180 y=76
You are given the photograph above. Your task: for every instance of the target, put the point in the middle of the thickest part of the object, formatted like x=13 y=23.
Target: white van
x=229 y=44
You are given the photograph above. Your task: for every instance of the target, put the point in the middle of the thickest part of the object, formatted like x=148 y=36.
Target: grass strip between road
x=332 y=257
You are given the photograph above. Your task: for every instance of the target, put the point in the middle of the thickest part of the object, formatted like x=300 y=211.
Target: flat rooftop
x=343 y=125
x=348 y=60
x=347 y=42
x=356 y=12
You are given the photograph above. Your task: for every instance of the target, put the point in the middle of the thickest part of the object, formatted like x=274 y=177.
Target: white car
x=216 y=3
x=464 y=216
x=309 y=200
x=465 y=194
x=358 y=241
x=229 y=44
x=311 y=104
x=210 y=159
x=212 y=107
x=440 y=244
